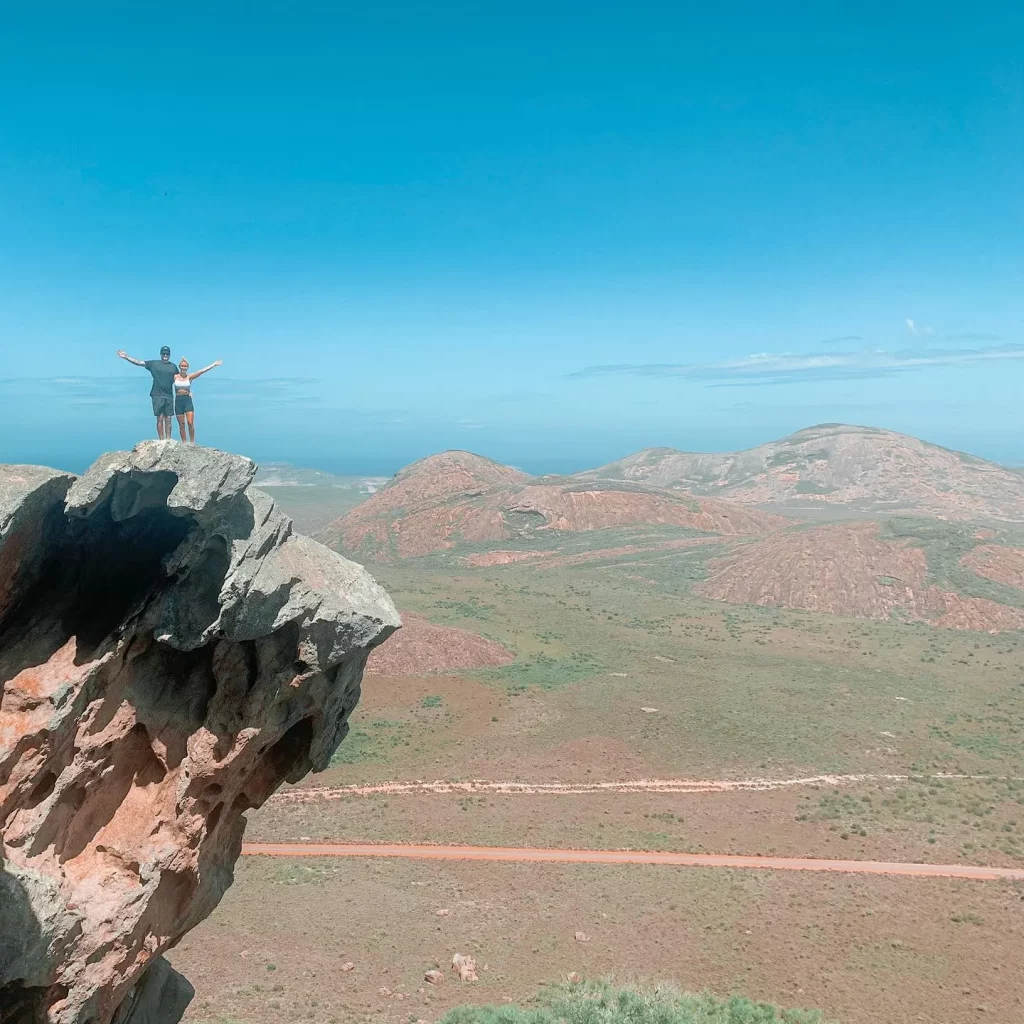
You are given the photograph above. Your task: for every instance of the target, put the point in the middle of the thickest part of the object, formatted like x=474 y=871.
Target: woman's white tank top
x=182 y=383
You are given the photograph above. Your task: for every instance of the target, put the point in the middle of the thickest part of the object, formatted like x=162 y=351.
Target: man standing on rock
x=162 y=391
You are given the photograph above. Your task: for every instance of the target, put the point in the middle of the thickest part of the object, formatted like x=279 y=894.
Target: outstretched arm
x=205 y=369
x=124 y=355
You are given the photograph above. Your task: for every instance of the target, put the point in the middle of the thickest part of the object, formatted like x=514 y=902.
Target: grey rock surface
x=170 y=652
x=161 y=996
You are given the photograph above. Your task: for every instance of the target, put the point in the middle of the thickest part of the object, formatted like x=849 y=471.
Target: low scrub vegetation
x=601 y=1003
x=945 y=545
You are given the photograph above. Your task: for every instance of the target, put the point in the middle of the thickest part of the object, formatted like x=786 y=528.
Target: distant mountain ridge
x=459 y=498
x=866 y=467
x=937 y=556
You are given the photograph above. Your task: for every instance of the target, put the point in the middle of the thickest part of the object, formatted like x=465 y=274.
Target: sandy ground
x=867 y=949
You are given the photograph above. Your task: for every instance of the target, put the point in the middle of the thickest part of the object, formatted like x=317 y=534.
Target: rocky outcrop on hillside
x=170 y=652
x=997 y=562
x=855 y=569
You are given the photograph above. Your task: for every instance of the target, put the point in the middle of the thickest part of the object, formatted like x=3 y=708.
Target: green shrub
x=811 y=487
x=601 y=1003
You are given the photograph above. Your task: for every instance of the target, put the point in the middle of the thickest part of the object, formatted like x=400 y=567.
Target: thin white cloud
x=112 y=389
x=789 y=367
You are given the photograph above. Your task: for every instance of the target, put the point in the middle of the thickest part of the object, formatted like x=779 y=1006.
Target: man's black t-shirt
x=163 y=376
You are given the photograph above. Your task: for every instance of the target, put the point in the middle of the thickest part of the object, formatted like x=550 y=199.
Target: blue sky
x=550 y=233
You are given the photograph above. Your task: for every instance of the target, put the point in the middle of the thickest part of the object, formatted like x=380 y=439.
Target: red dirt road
x=703 y=860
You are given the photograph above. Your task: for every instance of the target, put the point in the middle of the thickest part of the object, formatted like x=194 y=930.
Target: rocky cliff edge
x=170 y=652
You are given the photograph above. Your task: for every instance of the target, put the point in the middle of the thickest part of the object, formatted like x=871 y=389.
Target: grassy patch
x=739 y=688
x=371 y=741
x=945 y=544
x=540 y=670
x=471 y=608
x=292 y=873
x=676 y=572
x=896 y=958
x=985 y=814
x=600 y=1003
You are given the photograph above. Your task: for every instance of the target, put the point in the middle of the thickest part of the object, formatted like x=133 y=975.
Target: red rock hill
x=458 y=498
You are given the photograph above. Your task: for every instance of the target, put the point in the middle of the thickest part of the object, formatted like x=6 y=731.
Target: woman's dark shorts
x=183 y=404
x=163 y=405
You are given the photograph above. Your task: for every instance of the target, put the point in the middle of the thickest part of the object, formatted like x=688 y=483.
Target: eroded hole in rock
x=20 y=1003
x=172 y=690
x=93 y=573
x=213 y=819
x=199 y=604
x=291 y=751
x=119 y=563
x=242 y=803
x=42 y=790
x=131 y=494
x=170 y=902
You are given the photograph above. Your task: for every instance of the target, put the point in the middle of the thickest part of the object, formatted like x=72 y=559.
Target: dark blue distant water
x=75 y=453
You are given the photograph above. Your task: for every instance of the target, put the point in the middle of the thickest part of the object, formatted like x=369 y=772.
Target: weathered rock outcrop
x=170 y=652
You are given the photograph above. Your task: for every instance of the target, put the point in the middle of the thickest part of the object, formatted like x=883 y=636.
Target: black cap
x=165 y=351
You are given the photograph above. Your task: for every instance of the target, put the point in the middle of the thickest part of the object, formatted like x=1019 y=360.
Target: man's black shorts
x=183 y=404
x=163 y=405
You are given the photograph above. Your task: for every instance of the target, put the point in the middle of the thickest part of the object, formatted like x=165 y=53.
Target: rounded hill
x=445 y=475
x=457 y=499
x=867 y=468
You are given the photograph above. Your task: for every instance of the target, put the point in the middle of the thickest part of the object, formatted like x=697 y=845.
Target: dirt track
x=420 y=788
x=706 y=860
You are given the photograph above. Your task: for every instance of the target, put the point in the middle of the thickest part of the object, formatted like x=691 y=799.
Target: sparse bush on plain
x=603 y=1003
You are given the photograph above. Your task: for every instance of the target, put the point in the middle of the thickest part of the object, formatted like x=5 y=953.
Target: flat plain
x=854 y=738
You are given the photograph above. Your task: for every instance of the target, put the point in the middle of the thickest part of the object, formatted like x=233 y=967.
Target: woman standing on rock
x=183 y=407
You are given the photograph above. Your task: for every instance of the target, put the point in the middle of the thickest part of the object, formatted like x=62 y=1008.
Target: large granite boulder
x=170 y=653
